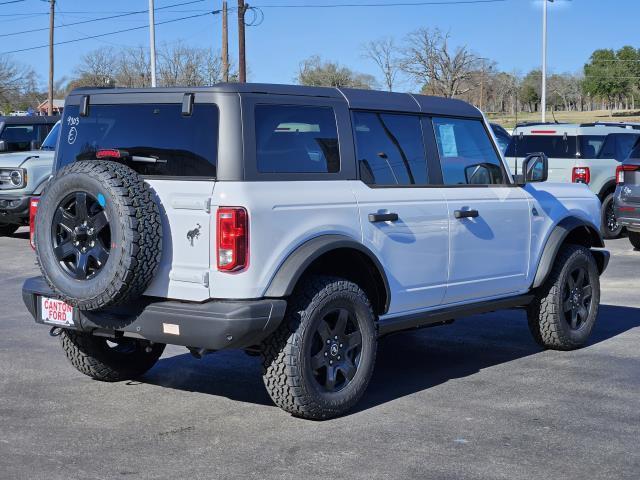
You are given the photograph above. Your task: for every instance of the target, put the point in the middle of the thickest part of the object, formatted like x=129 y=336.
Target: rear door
x=489 y=233
x=404 y=220
x=182 y=176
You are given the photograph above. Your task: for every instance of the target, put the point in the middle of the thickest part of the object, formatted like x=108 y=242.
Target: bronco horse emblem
x=194 y=234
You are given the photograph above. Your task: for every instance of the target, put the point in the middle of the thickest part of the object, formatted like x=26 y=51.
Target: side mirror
x=535 y=169
x=3 y=146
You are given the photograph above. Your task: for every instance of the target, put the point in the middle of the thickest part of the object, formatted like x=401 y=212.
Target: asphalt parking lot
x=475 y=400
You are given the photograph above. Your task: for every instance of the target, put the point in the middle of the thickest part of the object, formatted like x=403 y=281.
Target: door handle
x=383 y=217
x=466 y=214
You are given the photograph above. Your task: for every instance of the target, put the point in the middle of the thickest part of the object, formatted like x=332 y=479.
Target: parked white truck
x=579 y=153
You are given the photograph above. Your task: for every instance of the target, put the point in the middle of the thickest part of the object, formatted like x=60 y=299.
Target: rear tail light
x=232 y=238
x=581 y=175
x=620 y=169
x=33 y=208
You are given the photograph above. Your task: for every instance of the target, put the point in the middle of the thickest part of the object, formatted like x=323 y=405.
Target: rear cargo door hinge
x=207 y=205
x=205 y=279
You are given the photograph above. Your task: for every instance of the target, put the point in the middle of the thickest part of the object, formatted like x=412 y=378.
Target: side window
x=466 y=153
x=626 y=141
x=608 y=149
x=296 y=139
x=390 y=149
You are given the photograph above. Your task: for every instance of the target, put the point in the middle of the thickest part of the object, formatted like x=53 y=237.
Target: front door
x=489 y=218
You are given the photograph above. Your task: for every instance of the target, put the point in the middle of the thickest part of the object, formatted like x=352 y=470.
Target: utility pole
x=52 y=10
x=544 y=61
x=152 y=42
x=242 y=63
x=225 y=43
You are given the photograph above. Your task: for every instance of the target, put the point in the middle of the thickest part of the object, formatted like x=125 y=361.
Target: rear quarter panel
x=282 y=216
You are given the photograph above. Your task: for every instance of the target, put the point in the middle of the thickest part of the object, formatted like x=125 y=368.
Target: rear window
x=296 y=139
x=553 y=146
x=183 y=146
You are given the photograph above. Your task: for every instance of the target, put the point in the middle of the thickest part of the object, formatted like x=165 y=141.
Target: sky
x=508 y=32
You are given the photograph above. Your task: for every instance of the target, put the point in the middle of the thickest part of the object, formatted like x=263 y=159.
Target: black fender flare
x=557 y=237
x=290 y=271
x=609 y=186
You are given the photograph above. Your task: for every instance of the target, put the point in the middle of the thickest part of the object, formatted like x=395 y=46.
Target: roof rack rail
x=626 y=125
x=531 y=124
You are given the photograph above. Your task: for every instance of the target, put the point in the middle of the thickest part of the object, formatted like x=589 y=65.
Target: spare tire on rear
x=98 y=234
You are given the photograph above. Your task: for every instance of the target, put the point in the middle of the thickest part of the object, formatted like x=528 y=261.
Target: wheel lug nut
x=326 y=354
x=328 y=342
x=338 y=357
x=336 y=337
x=340 y=345
x=330 y=362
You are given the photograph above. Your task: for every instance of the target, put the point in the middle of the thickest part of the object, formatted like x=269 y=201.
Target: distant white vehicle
x=19 y=113
x=585 y=153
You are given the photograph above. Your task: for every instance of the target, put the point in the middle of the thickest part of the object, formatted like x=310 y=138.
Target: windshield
x=19 y=137
x=170 y=143
x=553 y=146
x=51 y=140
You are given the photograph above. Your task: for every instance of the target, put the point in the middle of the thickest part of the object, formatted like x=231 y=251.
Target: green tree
x=316 y=72
x=607 y=76
x=530 y=90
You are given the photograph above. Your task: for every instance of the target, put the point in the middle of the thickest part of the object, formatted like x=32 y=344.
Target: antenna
x=553 y=113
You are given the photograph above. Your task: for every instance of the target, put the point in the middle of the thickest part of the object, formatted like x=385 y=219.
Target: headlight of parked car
x=13 y=178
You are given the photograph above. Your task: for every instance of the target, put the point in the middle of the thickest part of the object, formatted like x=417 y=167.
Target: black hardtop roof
x=28 y=120
x=355 y=98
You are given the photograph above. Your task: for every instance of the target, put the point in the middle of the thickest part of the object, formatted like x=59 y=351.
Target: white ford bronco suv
x=299 y=223
x=587 y=153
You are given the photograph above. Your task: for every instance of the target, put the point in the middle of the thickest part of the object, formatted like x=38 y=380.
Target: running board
x=446 y=315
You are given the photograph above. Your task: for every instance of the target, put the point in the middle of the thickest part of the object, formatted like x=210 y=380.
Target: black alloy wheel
x=610 y=225
x=80 y=235
x=577 y=298
x=336 y=349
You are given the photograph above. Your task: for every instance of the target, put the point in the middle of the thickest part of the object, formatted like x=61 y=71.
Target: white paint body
x=431 y=258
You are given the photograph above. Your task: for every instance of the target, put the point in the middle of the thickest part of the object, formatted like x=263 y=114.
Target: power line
x=111 y=33
x=387 y=4
x=11 y=1
x=97 y=19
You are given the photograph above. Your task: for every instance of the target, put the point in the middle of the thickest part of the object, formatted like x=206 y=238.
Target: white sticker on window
x=448 y=141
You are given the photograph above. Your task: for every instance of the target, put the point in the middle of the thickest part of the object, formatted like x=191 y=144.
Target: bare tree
x=97 y=69
x=431 y=63
x=384 y=53
x=186 y=66
x=133 y=68
x=316 y=72
x=15 y=79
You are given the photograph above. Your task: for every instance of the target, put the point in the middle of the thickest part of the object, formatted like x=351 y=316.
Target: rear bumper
x=627 y=214
x=213 y=325
x=14 y=209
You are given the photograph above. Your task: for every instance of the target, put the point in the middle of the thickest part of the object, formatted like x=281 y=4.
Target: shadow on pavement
x=407 y=362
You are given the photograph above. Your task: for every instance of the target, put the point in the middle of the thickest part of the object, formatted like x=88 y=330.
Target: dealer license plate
x=55 y=312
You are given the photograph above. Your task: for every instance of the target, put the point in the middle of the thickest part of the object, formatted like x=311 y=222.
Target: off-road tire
x=94 y=357
x=136 y=234
x=7 y=229
x=545 y=313
x=634 y=238
x=607 y=204
x=285 y=367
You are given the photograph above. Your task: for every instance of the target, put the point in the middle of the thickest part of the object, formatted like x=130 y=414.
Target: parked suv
x=627 y=200
x=585 y=153
x=301 y=223
x=23 y=176
x=21 y=134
